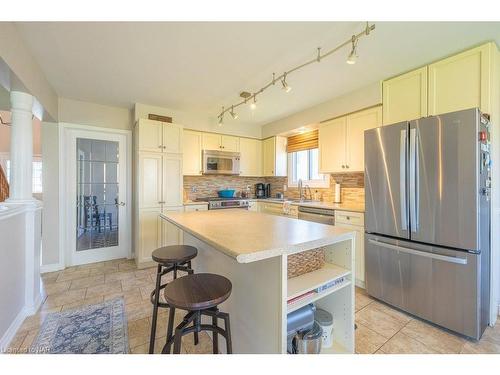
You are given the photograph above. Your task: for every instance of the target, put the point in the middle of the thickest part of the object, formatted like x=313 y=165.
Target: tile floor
x=381 y=329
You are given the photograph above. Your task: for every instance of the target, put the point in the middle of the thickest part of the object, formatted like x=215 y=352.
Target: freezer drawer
x=436 y=284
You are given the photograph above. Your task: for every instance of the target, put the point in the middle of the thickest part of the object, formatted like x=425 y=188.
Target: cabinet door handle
x=343 y=166
x=161 y=202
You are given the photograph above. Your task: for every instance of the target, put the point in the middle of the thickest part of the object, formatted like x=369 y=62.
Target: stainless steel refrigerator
x=427 y=221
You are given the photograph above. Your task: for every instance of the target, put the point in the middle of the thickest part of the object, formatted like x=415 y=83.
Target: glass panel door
x=97 y=201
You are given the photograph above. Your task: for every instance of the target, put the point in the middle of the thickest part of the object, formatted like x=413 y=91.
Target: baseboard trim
x=45 y=268
x=9 y=335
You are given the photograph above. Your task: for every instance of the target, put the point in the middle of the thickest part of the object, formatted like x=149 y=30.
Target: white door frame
x=67 y=193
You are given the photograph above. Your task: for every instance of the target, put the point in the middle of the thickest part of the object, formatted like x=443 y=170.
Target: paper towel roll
x=336 y=193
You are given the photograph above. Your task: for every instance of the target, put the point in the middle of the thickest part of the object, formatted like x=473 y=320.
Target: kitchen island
x=252 y=250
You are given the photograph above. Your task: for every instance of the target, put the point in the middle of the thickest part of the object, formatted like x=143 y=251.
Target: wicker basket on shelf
x=307 y=261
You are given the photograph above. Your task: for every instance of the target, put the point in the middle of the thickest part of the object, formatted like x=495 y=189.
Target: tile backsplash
x=352 y=185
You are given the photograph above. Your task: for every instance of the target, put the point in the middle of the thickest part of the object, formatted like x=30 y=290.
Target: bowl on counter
x=227 y=193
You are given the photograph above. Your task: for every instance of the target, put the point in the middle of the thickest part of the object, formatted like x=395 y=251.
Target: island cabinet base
x=256 y=308
x=260 y=299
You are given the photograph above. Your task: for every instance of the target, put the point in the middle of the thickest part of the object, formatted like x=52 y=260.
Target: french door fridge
x=427 y=220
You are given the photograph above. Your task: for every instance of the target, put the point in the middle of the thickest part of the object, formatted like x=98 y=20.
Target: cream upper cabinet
x=461 y=81
x=332 y=146
x=192 y=146
x=156 y=136
x=220 y=142
x=150 y=180
x=150 y=135
x=274 y=156
x=211 y=141
x=356 y=125
x=230 y=143
x=251 y=157
x=405 y=97
x=172 y=138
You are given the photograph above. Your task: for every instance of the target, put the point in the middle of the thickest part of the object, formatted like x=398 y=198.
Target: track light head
x=253 y=105
x=353 y=56
x=285 y=87
x=233 y=114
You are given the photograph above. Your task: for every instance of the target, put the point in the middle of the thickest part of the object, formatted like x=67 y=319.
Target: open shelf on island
x=310 y=281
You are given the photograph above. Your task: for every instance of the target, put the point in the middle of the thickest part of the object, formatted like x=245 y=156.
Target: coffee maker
x=268 y=190
x=260 y=190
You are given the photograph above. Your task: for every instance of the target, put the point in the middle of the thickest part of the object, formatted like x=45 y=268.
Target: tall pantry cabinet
x=157 y=186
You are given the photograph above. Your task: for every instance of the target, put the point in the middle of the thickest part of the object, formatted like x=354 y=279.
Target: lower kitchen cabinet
x=275 y=208
x=170 y=234
x=195 y=207
x=355 y=221
x=154 y=232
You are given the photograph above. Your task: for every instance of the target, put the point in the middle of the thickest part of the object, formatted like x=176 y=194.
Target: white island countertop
x=251 y=236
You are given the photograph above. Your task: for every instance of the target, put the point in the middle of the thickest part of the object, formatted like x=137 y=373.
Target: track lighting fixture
x=285 y=85
x=353 y=56
x=351 y=59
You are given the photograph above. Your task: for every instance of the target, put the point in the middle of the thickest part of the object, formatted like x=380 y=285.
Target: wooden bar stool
x=199 y=294
x=170 y=259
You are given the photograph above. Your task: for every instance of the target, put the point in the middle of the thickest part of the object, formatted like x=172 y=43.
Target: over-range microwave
x=221 y=162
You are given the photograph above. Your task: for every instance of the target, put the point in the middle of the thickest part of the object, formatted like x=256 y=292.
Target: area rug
x=94 y=329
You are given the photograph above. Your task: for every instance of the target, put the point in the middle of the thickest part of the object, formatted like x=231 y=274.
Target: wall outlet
x=285 y=187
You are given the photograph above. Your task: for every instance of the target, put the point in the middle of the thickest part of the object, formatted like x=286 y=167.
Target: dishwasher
x=318 y=215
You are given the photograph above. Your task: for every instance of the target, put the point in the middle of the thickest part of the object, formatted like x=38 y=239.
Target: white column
x=21 y=148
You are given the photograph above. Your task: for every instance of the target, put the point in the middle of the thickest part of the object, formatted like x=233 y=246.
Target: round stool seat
x=174 y=254
x=198 y=291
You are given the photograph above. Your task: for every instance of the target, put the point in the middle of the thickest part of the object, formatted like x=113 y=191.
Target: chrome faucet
x=301 y=193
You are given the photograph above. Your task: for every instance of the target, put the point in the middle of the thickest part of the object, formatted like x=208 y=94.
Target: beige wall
x=351 y=102
x=86 y=113
x=201 y=122
x=20 y=61
x=5 y=135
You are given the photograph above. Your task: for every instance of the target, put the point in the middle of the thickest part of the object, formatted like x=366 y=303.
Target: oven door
x=221 y=162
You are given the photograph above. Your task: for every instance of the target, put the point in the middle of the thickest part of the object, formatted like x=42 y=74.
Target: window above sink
x=305 y=165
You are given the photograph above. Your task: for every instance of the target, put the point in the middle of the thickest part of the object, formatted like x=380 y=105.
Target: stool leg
x=215 y=337
x=155 y=312
x=177 y=340
x=229 y=344
x=190 y=272
x=171 y=316
x=197 y=322
x=175 y=271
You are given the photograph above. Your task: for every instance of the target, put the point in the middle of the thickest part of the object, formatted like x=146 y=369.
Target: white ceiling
x=198 y=67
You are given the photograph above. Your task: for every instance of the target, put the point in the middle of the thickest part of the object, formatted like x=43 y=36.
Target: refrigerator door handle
x=402 y=179
x=413 y=180
x=445 y=258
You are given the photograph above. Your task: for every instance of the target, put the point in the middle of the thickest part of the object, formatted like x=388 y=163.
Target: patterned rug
x=94 y=329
